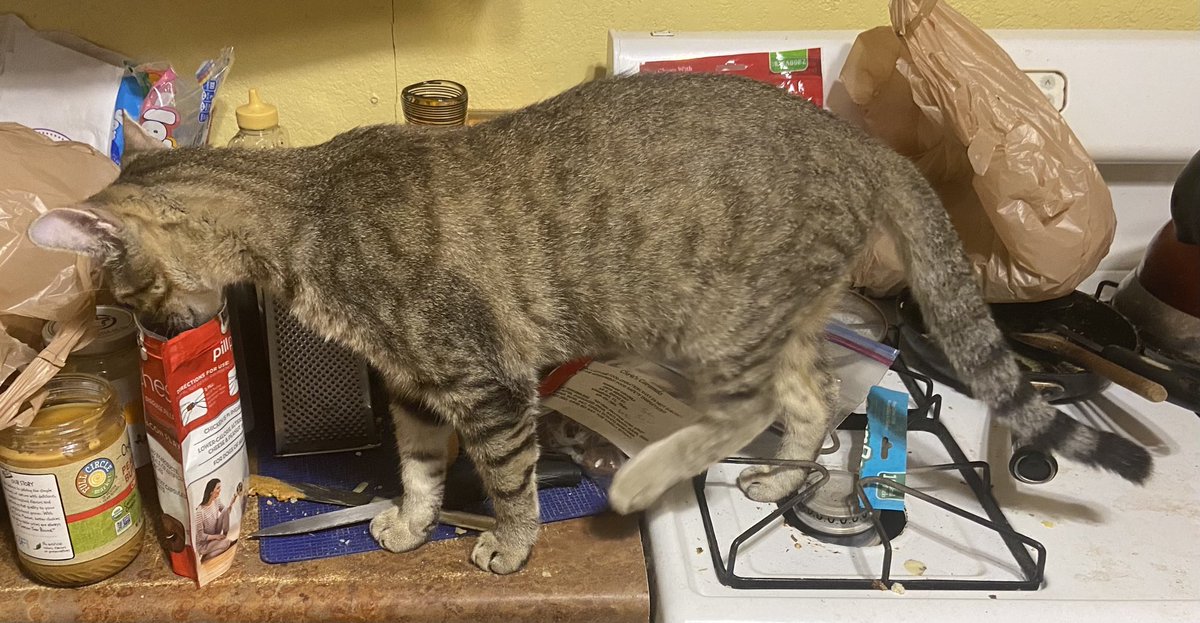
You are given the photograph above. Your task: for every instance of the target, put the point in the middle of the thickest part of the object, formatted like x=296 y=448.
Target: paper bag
x=37 y=285
x=1030 y=206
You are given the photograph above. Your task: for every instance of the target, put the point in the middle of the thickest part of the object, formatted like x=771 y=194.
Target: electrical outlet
x=1053 y=85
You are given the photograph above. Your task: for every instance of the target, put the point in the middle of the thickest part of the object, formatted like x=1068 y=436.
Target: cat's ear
x=138 y=140
x=81 y=230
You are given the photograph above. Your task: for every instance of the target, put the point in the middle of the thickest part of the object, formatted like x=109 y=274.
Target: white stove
x=1113 y=551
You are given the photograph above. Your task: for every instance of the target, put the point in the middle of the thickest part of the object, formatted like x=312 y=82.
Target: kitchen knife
x=462 y=487
x=364 y=512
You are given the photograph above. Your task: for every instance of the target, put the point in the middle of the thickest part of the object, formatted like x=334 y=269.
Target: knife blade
x=552 y=471
x=330 y=495
x=364 y=512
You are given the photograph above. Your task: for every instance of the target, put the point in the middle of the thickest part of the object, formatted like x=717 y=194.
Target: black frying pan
x=1091 y=323
x=1059 y=381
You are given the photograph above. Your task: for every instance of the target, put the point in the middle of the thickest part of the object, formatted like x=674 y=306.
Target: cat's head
x=152 y=252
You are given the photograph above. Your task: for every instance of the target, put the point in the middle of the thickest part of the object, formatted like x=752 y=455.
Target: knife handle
x=1182 y=388
x=557 y=471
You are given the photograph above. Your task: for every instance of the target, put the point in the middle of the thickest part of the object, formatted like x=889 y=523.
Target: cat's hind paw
x=498 y=556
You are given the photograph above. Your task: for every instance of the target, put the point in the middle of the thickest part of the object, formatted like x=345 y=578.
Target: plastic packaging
x=857 y=362
x=179 y=112
x=39 y=285
x=1033 y=211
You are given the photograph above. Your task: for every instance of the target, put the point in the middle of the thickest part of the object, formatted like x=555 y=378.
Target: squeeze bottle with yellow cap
x=258 y=125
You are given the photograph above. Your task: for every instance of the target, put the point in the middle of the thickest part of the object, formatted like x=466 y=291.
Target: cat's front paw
x=500 y=556
x=763 y=483
x=397 y=533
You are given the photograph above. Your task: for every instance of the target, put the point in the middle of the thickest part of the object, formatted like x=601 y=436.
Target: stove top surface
x=1113 y=549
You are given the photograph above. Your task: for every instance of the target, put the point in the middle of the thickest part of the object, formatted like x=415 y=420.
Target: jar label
x=129 y=393
x=77 y=512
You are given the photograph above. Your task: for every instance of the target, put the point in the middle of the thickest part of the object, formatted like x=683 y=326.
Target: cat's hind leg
x=805 y=391
x=738 y=402
x=421 y=438
x=498 y=432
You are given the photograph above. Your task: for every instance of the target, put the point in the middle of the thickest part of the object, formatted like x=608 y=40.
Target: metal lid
x=834 y=508
x=115 y=330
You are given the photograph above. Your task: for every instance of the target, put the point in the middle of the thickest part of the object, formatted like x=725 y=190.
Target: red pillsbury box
x=797 y=72
x=197 y=444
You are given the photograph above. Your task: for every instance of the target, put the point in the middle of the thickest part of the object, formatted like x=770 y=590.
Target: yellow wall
x=330 y=65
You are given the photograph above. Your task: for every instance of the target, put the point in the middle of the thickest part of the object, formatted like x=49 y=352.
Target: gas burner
x=833 y=511
x=834 y=515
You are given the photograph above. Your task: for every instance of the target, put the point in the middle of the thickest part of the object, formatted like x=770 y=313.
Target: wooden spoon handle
x=1068 y=350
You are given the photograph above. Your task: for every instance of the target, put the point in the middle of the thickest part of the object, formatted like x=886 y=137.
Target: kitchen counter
x=588 y=569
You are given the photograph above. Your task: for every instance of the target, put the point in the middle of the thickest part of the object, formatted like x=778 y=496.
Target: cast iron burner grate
x=977 y=474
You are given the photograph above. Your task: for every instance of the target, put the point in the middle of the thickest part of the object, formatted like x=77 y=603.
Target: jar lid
x=115 y=330
x=256 y=114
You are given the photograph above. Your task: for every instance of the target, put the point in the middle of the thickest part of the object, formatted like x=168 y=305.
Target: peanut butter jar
x=70 y=485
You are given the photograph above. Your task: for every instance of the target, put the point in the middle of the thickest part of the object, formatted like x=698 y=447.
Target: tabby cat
x=709 y=221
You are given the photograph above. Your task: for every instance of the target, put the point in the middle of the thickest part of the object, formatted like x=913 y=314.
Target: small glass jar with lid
x=70 y=485
x=441 y=103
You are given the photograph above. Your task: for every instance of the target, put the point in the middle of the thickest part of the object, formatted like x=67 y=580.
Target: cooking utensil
x=1084 y=320
x=330 y=495
x=462 y=488
x=1181 y=384
x=1095 y=362
x=364 y=512
x=1162 y=296
x=1058 y=381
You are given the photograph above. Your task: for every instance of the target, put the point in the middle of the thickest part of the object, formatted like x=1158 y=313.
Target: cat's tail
x=944 y=286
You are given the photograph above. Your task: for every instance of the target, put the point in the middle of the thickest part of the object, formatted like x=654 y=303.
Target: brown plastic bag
x=37 y=174
x=1031 y=208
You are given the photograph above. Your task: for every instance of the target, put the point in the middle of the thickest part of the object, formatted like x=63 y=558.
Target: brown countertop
x=589 y=569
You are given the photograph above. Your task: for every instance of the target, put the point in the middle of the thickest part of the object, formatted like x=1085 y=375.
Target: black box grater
x=320 y=396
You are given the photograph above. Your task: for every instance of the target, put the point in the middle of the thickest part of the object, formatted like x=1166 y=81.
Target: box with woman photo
x=194 y=425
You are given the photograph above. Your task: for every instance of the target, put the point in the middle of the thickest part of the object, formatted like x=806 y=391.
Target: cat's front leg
x=498 y=432
x=421 y=438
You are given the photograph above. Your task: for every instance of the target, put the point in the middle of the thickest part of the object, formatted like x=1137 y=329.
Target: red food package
x=197 y=445
x=796 y=71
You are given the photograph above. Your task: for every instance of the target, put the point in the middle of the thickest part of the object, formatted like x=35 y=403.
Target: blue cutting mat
x=378 y=468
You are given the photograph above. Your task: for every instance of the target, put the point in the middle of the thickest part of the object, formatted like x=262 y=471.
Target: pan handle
x=1049 y=391
x=1183 y=389
x=1101 y=286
